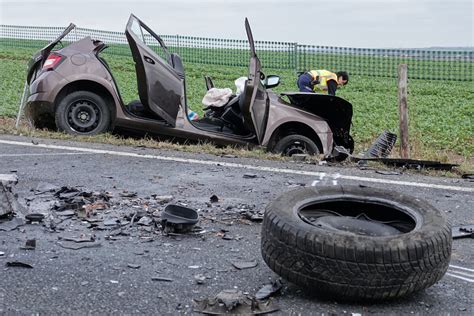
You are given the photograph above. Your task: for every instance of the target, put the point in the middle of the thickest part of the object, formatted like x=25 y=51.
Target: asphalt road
x=117 y=276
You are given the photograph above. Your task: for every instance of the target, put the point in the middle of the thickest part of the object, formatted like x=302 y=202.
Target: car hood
x=336 y=111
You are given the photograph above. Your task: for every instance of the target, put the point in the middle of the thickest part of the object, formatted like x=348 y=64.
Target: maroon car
x=73 y=89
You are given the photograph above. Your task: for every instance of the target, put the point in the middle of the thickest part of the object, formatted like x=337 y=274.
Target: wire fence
x=427 y=64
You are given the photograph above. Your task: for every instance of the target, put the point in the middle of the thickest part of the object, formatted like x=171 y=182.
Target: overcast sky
x=349 y=23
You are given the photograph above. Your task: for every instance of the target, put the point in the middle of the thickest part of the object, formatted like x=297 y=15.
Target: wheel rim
x=83 y=116
x=363 y=218
x=296 y=147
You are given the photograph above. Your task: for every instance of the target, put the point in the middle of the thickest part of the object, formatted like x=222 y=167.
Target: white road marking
x=460 y=277
x=461 y=268
x=44 y=154
x=471 y=275
x=321 y=175
x=460 y=273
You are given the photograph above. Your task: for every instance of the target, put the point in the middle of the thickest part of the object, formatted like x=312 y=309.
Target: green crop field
x=441 y=112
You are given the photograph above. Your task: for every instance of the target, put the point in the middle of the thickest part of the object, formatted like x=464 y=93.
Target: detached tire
x=350 y=262
x=296 y=144
x=83 y=113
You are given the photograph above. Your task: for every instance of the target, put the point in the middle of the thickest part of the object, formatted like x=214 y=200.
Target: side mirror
x=271 y=81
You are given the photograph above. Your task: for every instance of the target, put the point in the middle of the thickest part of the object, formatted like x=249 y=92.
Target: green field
x=441 y=112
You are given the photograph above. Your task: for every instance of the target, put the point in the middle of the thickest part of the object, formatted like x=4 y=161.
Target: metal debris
x=388 y=172
x=76 y=246
x=463 y=231
x=19 y=264
x=408 y=163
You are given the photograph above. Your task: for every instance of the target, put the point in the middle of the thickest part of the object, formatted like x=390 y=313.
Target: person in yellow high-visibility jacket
x=322 y=81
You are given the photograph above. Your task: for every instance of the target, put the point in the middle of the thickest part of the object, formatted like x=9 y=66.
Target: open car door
x=160 y=86
x=255 y=103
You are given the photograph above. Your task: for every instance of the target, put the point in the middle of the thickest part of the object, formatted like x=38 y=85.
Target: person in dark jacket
x=322 y=81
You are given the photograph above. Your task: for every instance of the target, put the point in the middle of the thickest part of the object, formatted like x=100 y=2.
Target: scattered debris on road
x=178 y=219
x=241 y=265
x=160 y=278
x=200 y=278
x=214 y=198
x=30 y=244
x=468 y=176
x=34 y=218
x=12 y=224
x=463 y=231
x=269 y=289
x=8 y=202
x=233 y=302
x=77 y=246
x=19 y=264
x=249 y=176
x=388 y=172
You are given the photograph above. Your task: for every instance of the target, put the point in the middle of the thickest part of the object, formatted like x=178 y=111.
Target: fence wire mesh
x=427 y=64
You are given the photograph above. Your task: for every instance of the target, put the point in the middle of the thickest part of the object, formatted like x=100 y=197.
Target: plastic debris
x=19 y=264
x=268 y=290
x=245 y=264
x=233 y=302
x=29 y=245
x=160 y=278
x=383 y=145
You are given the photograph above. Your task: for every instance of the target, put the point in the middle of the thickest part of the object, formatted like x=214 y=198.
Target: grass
x=441 y=112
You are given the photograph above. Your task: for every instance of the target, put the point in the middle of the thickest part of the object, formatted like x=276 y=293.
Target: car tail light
x=52 y=61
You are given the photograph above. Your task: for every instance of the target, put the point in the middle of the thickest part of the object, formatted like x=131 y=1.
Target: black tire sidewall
x=286 y=141
x=61 y=115
x=421 y=256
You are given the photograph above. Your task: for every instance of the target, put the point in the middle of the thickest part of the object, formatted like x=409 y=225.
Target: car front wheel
x=83 y=113
x=295 y=144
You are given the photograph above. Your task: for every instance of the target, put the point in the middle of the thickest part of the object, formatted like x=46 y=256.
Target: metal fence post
x=295 y=58
x=403 y=110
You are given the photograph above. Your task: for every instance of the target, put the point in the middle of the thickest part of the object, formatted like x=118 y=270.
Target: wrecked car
x=73 y=89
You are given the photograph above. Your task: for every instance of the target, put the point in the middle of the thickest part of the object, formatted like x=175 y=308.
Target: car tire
x=295 y=144
x=347 y=266
x=83 y=113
